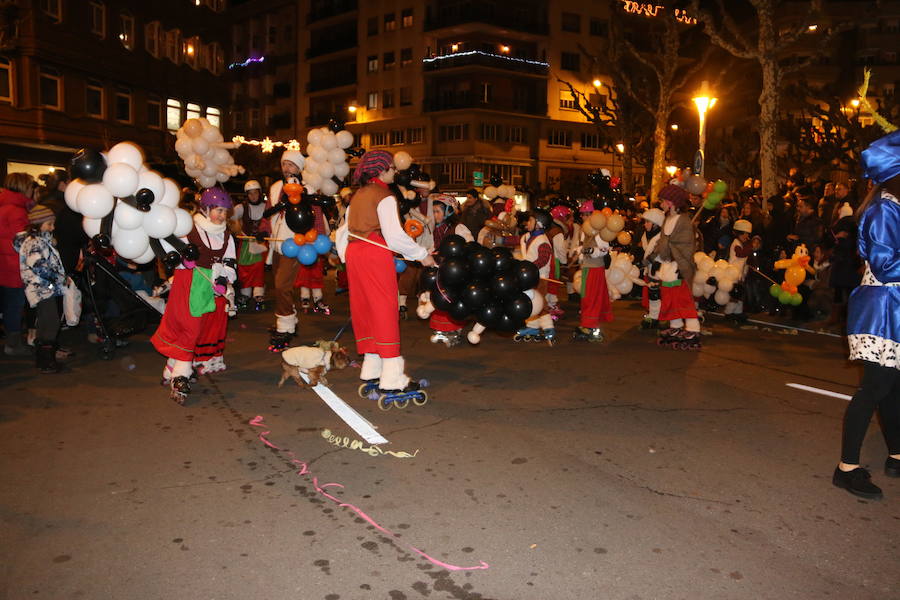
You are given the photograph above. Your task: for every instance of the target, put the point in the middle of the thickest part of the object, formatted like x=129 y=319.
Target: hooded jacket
x=13 y=220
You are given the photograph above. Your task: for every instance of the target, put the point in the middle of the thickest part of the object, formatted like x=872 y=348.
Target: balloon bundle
x=488 y=284
x=205 y=153
x=307 y=244
x=410 y=175
x=606 y=223
x=795 y=269
x=716 y=278
x=128 y=206
x=326 y=163
x=713 y=192
x=621 y=275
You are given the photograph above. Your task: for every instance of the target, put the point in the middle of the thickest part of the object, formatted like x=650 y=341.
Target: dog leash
x=341 y=331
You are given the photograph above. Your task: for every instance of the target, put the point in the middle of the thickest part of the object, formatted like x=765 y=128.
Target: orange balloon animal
x=795 y=268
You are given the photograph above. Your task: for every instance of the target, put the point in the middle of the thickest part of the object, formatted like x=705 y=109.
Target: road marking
x=815 y=390
x=771 y=324
x=352 y=418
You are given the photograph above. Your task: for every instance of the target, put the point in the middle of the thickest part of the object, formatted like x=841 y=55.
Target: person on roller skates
x=596 y=307
x=310 y=279
x=650 y=294
x=676 y=248
x=372 y=222
x=248 y=217
x=559 y=234
x=740 y=249
x=536 y=248
x=192 y=331
x=445 y=328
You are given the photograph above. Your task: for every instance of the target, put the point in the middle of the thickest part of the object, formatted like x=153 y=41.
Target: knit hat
x=881 y=160
x=655 y=216
x=845 y=210
x=40 y=214
x=293 y=156
x=372 y=164
x=676 y=195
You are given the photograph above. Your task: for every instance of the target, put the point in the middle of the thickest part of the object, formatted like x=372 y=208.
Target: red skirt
x=676 y=303
x=252 y=275
x=442 y=321
x=374 y=306
x=181 y=335
x=596 y=307
x=311 y=276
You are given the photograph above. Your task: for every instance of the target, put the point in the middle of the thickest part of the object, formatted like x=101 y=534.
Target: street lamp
x=674 y=126
x=704 y=102
x=671 y=170
x=597 y=83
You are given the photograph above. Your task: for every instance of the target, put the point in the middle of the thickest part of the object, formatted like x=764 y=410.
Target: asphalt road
x=613 y=471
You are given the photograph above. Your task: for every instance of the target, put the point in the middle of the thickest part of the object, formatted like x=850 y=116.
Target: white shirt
x=391 y=230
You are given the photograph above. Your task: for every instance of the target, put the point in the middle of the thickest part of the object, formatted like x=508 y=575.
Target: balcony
x=329 y=8
x=485 y=59
x=333 y=44
x=487 y=14
x=470 y=101
x=325 y=83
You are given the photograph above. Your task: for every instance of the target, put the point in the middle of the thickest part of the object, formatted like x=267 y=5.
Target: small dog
x=313 y=361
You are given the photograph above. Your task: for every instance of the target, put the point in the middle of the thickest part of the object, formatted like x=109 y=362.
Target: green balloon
x=775 y=290
x=720 y=186
x=796 y=299
x=784 y=297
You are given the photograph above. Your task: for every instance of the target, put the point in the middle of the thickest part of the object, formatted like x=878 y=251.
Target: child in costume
x=738 y=252
x=418 y=221
x=596 y=306
x=250 y=222
x=536 y=248
x=373 y=216
x=676 y=243
x=560 y=233
x=445 y=328
x=192 y=331
x=311 y=278
x=650 y=294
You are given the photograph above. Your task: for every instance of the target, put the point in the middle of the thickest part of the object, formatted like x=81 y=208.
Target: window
x=566 y=100
x=254 y=119
x=379 y=138
x=571 y=61
x=455 y=171
x=599 y=27
x=126 y=30
x=887 y=90
x=151 y=38
x=372 y=64
x=52 y=8
x=238 y=120
x=214 y=116
x=597 y=100
x=98 y=19
x=405 y=96
x=405 y=57
x=560 y=137
x=5 y=80
x=415 y=135
x=396 y=137
x=515 y=135
x=406 y=18
x=214 y=59
x=489 y=132
x=372 y=26
x=93 y=98
x=191 y=52
x=173 y=114
x=486 y=93
x=193 y=111
x=173 y=46
x=571 y=22
x=372 y=101
x=590 y=141
x=390 y=22
x=154 y=110
x=51 y=88
x=123 y=104
x=389 y=61
x=387 y=99
x=453 y=133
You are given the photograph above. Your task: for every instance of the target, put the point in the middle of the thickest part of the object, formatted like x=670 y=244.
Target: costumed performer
x=248 y=216
x=445 y=328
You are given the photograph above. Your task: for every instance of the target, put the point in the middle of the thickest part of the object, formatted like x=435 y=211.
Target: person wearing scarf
x=536 y=248
x=251 y=254
x=192 y=331
x=373 y=220
x=445 y=328
x=596 y=307
x=650 y=295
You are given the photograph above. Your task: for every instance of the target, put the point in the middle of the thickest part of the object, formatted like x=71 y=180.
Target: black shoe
x=892 y=467
x=858 y=482
x=45 y=358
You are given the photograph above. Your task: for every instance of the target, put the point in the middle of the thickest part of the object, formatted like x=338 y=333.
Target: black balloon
x=496 y=180
x=453 y=246
x=172 y=259
x=429 y=278
x=503 y=259
x=459 y=310
x=527 y=274
x=299 y=218
x=490 y=314
x=476 y=295
x=519 y=307
x=473 y=247
x=481 y=263
x=102 y=241
x=508 y=323
x=504 y=286
x=403 y=178
x=453 y=272
x=355 y=152
x=88 y=165
x=190 y=252
x=143 y=198
x=442 y=298
x=334 y=125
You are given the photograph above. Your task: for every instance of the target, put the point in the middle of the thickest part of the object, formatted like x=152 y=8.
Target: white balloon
x=146 y=257
x=337 y=156
x=210 y=154
x=325 y=170
x=172 y=194
x=402 y=160
x=328 y=187
x=222 y=177
x=200 y=145
x=160 y=221
x=697 y=289
x=193 y=127
x=328 y=140
x=120 y=179
x=184 y=147
x=314 y=136
x=222 y=156
x=490 y=192
x=127 y=217
x=130 y=244
x=733 y=273
x=91 y=226
x=615 y=276
x=317 y=153
x=312 y=180
x=341 y=170
x=152 y=181
x=311 y=165
x=95 y=201
x=726 y=285
x=722 y=297
x=210 y=134
x=183 y=222
x=210 y=169
x=71 y=193
x=626 y=286
x=128 y=153
x=205 y=181
x=537 y=301
x=344 y=139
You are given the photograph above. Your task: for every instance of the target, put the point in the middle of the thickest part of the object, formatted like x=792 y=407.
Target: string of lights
x=481 y=53
x=653 y=10
x=267 y=144
x=251 y=60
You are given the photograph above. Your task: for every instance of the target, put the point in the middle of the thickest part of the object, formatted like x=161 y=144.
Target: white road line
x=352 y=418
x=816 y=390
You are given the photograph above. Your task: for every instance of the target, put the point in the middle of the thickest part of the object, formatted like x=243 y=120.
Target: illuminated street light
x=454 y=47
x=504 y=49
x=812 y=28
x=671 y=170
x=855 y=103
x=597 y=83
x=352 y=108
x=620 y=147
x=674 y=126
x=704 y=101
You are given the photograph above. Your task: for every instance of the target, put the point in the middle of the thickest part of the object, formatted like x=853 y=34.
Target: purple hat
x=215 y=197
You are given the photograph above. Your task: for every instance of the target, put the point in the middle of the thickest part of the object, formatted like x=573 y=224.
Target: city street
x=613 y=471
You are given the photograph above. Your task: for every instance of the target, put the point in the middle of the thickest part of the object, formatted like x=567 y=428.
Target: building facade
x=79 y=73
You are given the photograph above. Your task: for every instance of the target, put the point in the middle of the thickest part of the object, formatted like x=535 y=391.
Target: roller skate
x=305 y=305
x=259 y=304
x=180 y=389
x=167 y=381
x=690 y=340
x=556 y=313
x=404 y=313
x=533 y=334
x=320 y=307
x=449 y=338
x=588 y=334
x=401 y=398
x=648 y=322
x=367 y=387
x=242 y=303
x=280 y=340
x=669 y=336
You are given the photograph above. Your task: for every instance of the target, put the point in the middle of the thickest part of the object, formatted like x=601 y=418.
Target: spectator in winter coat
x=808 y=229
x=475 y=211
x=15 y=201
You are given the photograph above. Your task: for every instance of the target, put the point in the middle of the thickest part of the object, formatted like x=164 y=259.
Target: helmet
x=587 y=207
x=451 y=205
x=743 y=225
x=655 y=216
x=252 y=185
x=560 y=212
x=543 y=218
x=215 y=197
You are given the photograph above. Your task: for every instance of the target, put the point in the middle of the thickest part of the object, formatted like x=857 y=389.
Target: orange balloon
x=299 y=239
x=794 y=276
x=607 y=211
x=311 y=235
x=413 y=228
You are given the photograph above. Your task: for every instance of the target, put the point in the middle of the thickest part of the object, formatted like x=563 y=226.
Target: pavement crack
x=682 y=496
x=426 y=426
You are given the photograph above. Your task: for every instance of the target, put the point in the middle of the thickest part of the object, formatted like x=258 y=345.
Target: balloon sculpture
x=307 y=244
x=795 y=268
x=326 y=164
x=205 y=153
x=716 y=278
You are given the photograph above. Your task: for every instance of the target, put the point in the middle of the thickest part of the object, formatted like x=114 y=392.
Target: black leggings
x=47 y=313
x=880 y=389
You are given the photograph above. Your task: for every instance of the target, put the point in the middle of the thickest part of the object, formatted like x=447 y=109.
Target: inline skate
x=449 y=338
x=533 y=334
x=319 y=307
x=679 y=339
x=401 y=398
x=181 y=387
x=648 y=322
x=587 y=334
x=280 y=340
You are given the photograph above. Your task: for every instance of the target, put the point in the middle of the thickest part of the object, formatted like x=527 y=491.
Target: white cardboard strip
x=352 y=418
x=816 y=390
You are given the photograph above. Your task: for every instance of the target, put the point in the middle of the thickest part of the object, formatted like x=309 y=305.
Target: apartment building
x=79 y=73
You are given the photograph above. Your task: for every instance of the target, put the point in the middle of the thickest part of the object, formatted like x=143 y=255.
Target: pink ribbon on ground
x=257 y=421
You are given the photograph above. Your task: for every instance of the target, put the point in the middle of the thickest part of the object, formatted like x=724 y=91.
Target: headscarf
x=372 y=164
x=881 y=160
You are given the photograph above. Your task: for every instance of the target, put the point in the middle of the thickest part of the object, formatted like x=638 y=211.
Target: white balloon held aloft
x=95 y=201
x=344 y=139
x=314 y=136
x=160 y=222
x=146 y=257
x=151 y=180
x=206 y=181
x=722 y=297
x=336 y=156
x=183 y=222
x=193 y=127
x=121 y=180
x=71 y=193
x=128 y=153
x=402 y=160
x=326 y=170
x=91 y=226
x=328 y=141
x=341 y=170
x=318 y=153
x=130 y=244
x=184 y=147
x=200 y=145
x=328 y=187
x=171 y=195
x=127 y=217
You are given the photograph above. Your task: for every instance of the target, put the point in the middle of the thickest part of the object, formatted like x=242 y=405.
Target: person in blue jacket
x=873 y=324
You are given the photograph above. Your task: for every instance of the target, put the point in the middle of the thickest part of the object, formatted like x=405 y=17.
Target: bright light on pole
x=671 y=170
x=597 y=83
x=704 y=101
x=674 y=126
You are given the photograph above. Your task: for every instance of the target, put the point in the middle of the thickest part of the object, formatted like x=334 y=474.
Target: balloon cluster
x=713 y=192
x=326 y=163
x=795 y=269
x=307 y=244
x=497 y=189
x=205 y=153
x=604 y=222
x=488 y=284
x=714 y=278
x=621 y=275
x=128 y=206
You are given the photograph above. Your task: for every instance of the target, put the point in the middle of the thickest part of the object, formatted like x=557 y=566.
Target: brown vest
x=364 y=214
x=208 y=256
